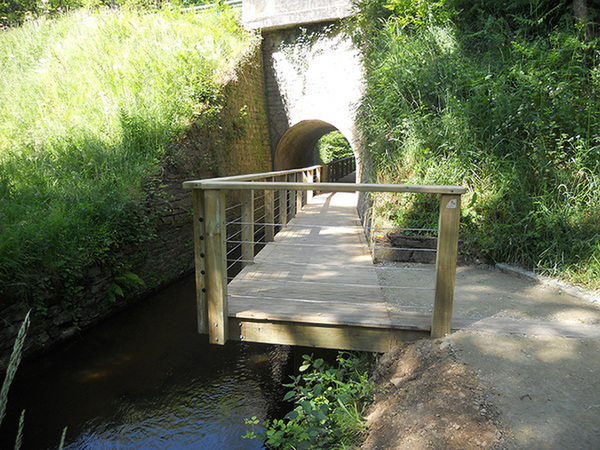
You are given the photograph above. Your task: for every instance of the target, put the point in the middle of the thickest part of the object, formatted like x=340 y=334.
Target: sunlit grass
x=90 y=104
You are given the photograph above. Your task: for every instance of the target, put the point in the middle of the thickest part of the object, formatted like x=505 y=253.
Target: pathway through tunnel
x=310 y=142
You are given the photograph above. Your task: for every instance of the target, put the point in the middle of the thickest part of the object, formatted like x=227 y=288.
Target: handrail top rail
x=220 y=183
x=247 y=177
x=259 y=176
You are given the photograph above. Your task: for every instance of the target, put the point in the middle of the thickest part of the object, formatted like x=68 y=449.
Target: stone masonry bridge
x=313 y=75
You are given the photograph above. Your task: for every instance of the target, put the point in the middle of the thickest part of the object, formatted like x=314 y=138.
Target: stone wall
x=314 y=80
x=233 y=141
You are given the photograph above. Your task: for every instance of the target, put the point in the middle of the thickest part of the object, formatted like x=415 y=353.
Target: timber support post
x=283 y=204
x=269 y=214
x=199 y=257
x=445 y=264
x=247 y=197
x=216 y=265
x=299 y=195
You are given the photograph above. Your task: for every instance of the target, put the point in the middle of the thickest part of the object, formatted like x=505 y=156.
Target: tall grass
x=503 y=99
x=91 y=104
x=13 y=365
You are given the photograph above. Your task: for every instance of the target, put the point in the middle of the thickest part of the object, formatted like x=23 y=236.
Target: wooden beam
x=199 y=254
x=249 y=177
x=334 y=187
x=321 y=336
x=247 y=198
x=445 y=265
x=216 y=265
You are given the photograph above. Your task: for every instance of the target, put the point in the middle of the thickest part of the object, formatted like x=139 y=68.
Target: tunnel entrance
x=297 y=148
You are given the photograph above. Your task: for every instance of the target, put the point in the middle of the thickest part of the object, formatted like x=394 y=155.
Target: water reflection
x=144 y=379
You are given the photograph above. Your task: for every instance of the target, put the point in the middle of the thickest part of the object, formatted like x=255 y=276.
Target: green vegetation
x=500 y=97
x=11 y=371
x=16 y=12
x=91 y=106
x=329 y=402
x=333 y=146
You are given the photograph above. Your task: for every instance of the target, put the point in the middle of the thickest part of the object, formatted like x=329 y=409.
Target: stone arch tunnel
x=296 y=148
x=313 y=75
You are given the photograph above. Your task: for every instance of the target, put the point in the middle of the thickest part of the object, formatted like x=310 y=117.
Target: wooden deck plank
x=318 y=270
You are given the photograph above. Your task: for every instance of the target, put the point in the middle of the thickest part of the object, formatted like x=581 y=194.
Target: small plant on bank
x=329 y=402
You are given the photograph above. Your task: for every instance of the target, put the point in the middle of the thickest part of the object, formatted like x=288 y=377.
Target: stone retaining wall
x=234 y=141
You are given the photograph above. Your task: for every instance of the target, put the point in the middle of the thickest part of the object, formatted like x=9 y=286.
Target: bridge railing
x=339 y=168
x=285 y=193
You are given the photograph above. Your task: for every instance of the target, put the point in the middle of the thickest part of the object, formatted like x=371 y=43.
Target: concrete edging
x=567 y=288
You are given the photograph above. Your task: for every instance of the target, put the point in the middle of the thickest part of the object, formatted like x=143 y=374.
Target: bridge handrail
x=256 y=181
x=247 y=177
x=210 y=232
x=332 y=187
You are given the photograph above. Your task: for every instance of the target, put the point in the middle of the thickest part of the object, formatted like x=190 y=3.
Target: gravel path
x=544 y=380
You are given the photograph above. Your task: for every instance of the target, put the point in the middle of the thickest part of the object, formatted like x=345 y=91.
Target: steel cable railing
x=268 y=203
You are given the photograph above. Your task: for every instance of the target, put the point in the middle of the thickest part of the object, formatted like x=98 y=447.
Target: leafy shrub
x=328 y=406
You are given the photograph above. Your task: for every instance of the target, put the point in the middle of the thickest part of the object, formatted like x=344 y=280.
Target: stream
x=145 y=379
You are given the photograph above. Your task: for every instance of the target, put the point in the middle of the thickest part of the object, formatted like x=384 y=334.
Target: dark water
x=144 y=379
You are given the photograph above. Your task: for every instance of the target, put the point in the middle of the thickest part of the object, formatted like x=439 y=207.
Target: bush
x=503 y=99
x=329 y=402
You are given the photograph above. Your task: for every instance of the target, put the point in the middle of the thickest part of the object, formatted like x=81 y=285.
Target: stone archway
x=296 y=148
x=314 y=83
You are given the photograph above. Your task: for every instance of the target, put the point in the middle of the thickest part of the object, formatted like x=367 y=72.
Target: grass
x=502 y=99
x=92 y=103
x=13 y=365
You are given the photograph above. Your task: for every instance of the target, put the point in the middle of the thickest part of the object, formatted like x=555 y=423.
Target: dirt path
x=481 y=387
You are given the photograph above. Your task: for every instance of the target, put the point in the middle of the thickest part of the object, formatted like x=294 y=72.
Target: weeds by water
x=329 y=401
x=11 y=371
x=500 y=97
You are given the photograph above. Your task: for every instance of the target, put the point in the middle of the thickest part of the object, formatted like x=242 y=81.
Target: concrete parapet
x=274 y=14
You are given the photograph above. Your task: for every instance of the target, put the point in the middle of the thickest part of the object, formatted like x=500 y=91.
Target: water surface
x=145 y=379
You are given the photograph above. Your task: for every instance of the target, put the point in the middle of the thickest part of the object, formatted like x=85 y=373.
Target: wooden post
x=283 y=204
x=299 y=194
x=292 y=205
x=269 y=215
x=199 y=255
x=445 y=277
x=216 y=265
x=318 y=178
x=247 y=227
x=309 y=179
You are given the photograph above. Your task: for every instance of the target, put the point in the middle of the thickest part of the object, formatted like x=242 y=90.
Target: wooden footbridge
x=307 y=276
